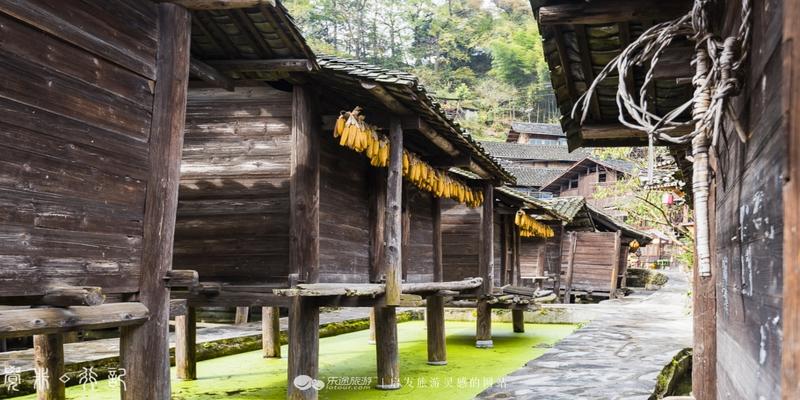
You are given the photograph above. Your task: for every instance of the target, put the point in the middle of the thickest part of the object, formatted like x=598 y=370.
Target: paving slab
x=617 y=355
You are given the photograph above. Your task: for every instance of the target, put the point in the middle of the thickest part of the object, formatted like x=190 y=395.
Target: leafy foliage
x=476 y=54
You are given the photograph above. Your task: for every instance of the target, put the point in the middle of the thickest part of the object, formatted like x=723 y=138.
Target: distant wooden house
x=745 y=302
x=536 y=133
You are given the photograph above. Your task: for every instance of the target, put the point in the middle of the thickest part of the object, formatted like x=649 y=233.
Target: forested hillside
x=481 y=57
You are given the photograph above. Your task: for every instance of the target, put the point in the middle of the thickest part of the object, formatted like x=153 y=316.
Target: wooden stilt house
x=275 y=210
x=745 y=294
x=91 y=120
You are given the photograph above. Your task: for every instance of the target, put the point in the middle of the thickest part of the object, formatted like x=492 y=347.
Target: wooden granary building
x=185 y=150
x=745 y=294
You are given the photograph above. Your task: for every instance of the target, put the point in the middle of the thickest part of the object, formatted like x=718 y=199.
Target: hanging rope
x=718 y=65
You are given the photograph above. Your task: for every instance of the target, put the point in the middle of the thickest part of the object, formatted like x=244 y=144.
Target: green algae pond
x=347 y=365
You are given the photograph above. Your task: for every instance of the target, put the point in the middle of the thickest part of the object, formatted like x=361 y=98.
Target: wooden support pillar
x=394 y=218
x=242 y=315
x=377 y=226
x=483 y=332
x=304 y=189
x=573 y=242
x=49 y=366
x=438 y=269
x=386 y=348
x=371 y=326
x=271 y=332
x=144 y=350
x=518 y=320
x=704 y=312
x=486 y=262
x=434 y=317
x=615 y=265
x=303 y=366
x=3 y=345
x=186 y=345
x=515 y=280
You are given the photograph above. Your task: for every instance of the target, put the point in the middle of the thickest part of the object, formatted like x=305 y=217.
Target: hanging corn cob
x=530 y=227
x=355 y=133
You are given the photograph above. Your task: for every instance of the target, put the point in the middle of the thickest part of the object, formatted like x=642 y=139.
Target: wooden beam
x=518 y=321
x=263 y=65
x=618 y=131
x=73 y=296
x=210 y=74
x=483 y=331
x=186 y=345
x=242 y=315
x=438 y=265
x=437 y=340
x=386 y=98
x=40 y=321
x=144 y=350
x=271 y=332
x=304 y=188
x=486 y=256
x=790 y=385
x=393 y=259
x=48 y=355
x=573 y=242
x=607 y=11
x=588 y=71
x=177 y=307
x=377 y=222
x=563 y=57
x=387 y=348
x=218 y=4
x=371 y=326
x=303 y=369
x=182 y=278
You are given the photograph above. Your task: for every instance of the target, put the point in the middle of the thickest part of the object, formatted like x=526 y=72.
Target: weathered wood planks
x=38 y=321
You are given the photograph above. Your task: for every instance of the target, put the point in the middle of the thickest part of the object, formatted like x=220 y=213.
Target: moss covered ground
x=347 y=364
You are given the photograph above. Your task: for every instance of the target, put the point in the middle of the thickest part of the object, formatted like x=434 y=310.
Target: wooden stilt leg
x=437 y=347
x=303 y=350
x=242 y=315
x=49 y=363
x=271 y=332
x=3 y=346
x=518 y=317
x=186 y=345
x=371 y=326
x=387 y=352
x=483 y=334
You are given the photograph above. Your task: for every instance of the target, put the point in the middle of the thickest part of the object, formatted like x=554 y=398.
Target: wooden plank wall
x=418 y=255
x=498 y=250
x=594 y=259
x=530 y=252
x=344 y=213
x=233 y=211
x=460 y=240
x=76 y=103
x=749 y=208
x=531 y=256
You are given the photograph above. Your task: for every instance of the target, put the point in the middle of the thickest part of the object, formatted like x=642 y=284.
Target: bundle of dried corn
x=530 y=227
x=353 y=132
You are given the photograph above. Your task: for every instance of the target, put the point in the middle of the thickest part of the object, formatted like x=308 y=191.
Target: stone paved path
x=617 y=355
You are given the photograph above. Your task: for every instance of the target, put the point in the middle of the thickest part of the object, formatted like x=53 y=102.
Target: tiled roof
x=537 y=128
x=406 y=89
x=627 y=230
x=531 y=176
x=532 y=202
x=569 y=206
x=518 y=151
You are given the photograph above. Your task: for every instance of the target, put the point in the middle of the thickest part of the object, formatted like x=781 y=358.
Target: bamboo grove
x=353 y=132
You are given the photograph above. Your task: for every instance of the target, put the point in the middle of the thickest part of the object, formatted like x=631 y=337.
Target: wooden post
x=405 y=229
x=186 y=345
x=518 y=320
x=49 y=366
x=615 y=265
x=3 y=345
x=303 y=350
x=790 y=385
x=557 y=265
x=144 y=350
x=387 y=350
x=486 y=266
x=304 y=189
x=434 y=317
x=573 y=242
x=438 y=269
x=483 y=333
x=515 y=280
x=377 y=218
x=371 y=326
x=271 y=332
x=704 y=313
x=394 y=219
x=242 y=315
